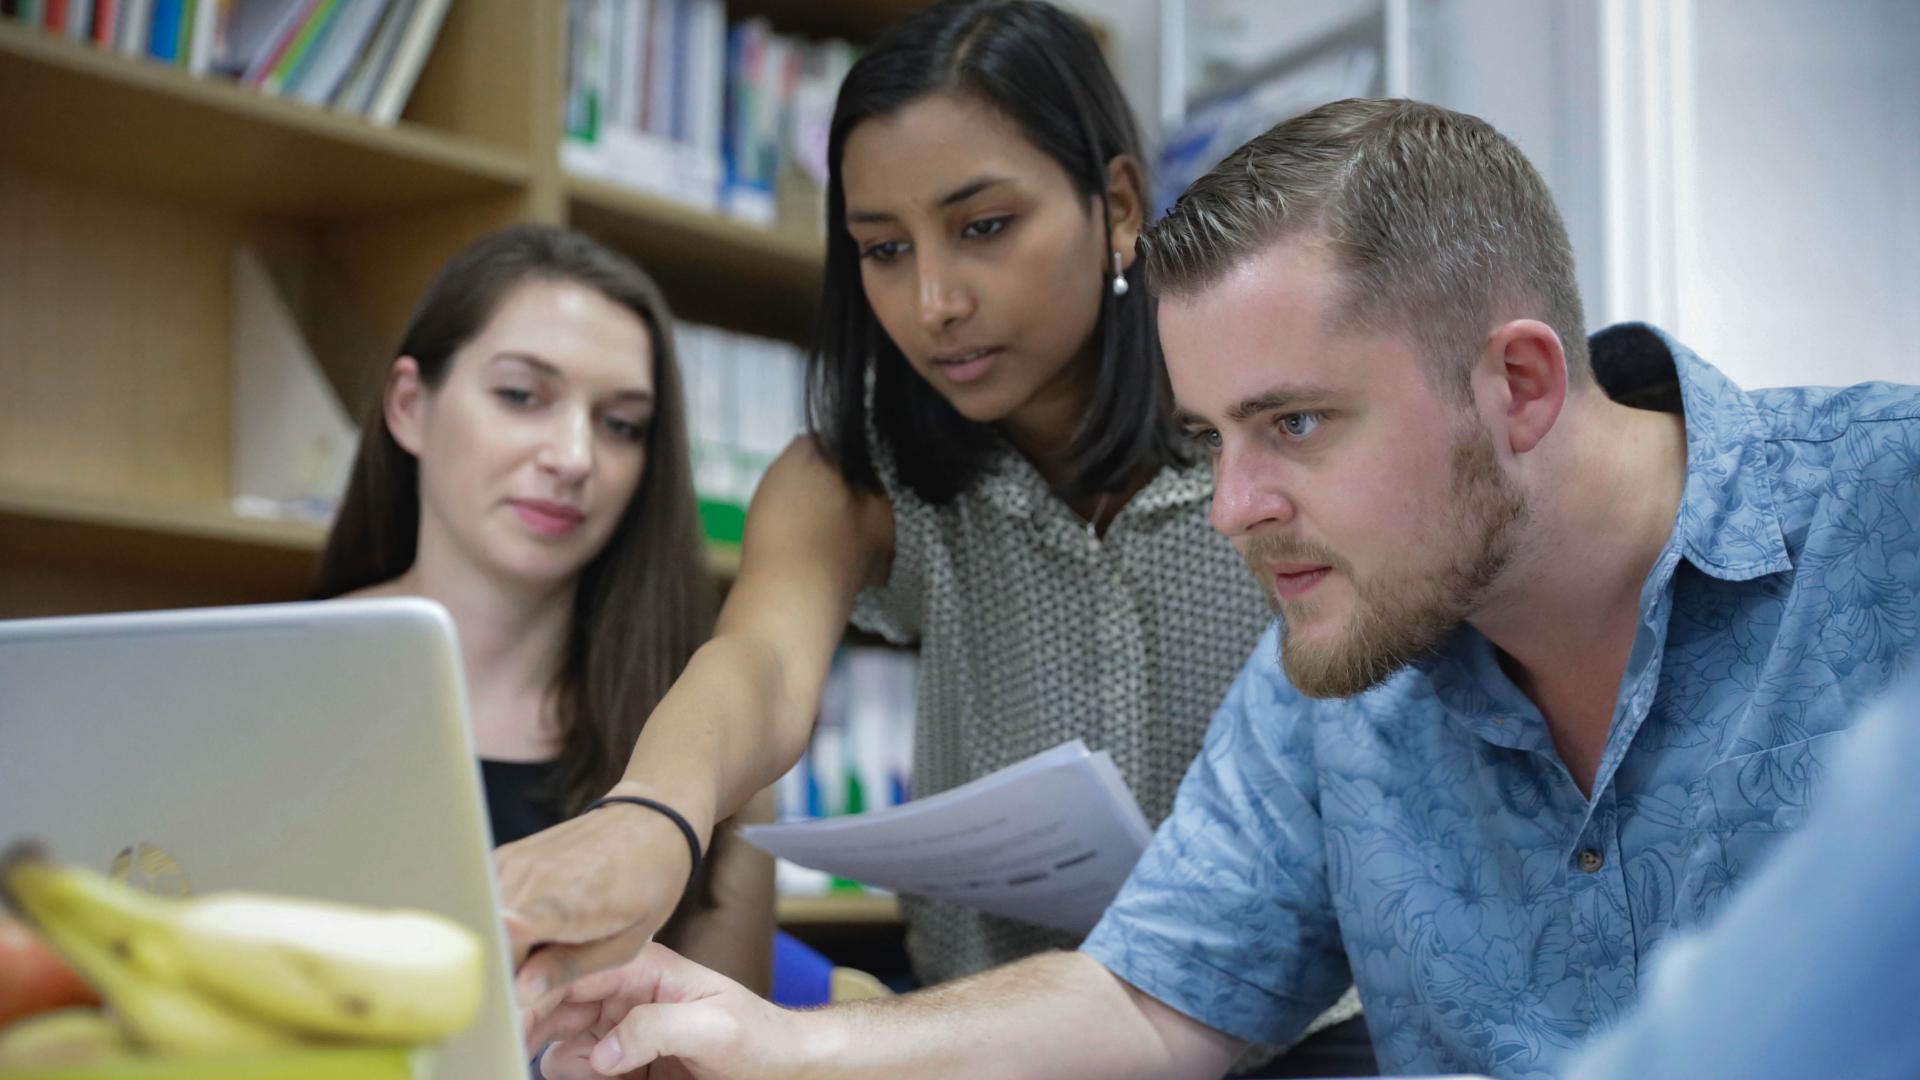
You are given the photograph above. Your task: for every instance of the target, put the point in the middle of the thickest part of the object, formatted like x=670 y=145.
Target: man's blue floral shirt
x=1423 y=840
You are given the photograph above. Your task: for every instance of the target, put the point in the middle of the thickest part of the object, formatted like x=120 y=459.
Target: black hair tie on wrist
x=693 y=838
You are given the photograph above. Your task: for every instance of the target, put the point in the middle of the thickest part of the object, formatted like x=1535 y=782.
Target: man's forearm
x=1058 y=1016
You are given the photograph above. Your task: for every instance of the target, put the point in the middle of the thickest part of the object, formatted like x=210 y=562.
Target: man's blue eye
x=1301 y=424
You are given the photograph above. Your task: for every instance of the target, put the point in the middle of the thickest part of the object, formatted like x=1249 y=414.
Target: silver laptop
x=318 y=750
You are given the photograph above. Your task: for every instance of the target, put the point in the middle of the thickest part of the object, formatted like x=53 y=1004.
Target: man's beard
x=1404 y=614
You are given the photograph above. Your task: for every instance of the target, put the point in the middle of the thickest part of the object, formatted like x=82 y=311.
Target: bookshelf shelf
x=189 y=545
x=713 y=268
x=99 y=554
x=79 y=514
x=723 y=560
x=840 y=909
x=77 y=111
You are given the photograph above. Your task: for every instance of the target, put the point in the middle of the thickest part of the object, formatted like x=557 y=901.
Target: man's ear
x=1126 y=207
x=1531 y=364
x=404 y=404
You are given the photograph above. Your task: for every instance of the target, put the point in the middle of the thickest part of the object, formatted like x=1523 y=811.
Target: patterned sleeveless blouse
x=1032 y=632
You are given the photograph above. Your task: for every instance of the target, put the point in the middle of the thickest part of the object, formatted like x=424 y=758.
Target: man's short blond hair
x=1440 y=224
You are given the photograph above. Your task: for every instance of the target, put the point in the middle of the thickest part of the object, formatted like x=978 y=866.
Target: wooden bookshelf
x=723 y=560
x=78 y=516
x=76 y=111
x=89 y=551
x=838 y=909
x=126 y=188
x=714 y=269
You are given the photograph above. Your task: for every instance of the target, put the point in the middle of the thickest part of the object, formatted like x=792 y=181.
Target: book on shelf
x=74 y=18
x=396 y=80
x=163 y=34
x=642 y=102
x=104 y=14
x=331 y=60
x=130 y=37
x=356 y=94
x=860 y=757
x=296 y=52
x=664 y=97
x=746 y=400
x=202 y=34
x=251 y=29
x=357 y=56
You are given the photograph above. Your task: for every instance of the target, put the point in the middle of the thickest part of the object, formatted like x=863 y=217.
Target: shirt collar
x=1727 y=526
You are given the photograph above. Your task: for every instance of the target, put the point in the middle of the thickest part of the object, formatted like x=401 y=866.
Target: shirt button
x=1591 y=861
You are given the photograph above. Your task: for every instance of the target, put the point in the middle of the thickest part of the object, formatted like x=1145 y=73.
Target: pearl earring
x=1120 y=285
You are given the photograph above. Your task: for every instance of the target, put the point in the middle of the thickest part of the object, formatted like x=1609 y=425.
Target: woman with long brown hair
x=527 y=467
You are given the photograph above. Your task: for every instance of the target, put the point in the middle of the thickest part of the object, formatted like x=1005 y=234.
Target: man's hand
x=587 y=894
x=1057 y=1016
x=663 y=1017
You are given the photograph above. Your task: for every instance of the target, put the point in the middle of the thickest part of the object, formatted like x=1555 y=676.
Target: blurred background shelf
x=857 y=930
x=839 y=909
x=78 y=516
x=157 y=129
x=99 y=554
x=714 y=269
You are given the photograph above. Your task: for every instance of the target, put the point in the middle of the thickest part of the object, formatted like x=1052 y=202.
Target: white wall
x=1798 y=215
x=1531 y=68
x=1133 y=47
x=1745 y=172
x=1244 y=33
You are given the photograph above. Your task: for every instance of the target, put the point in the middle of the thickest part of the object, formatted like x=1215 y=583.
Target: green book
x=190 y=11
x=856 y=804
x=302 y=46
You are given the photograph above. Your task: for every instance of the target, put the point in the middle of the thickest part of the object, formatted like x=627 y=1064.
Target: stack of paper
x=1048 y=840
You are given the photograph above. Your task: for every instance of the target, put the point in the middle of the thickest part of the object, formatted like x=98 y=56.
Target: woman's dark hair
x=643 y=604
x=1041 y=67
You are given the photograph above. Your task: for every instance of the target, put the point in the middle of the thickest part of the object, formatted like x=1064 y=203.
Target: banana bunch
x=240 y=976
x=84 y=1044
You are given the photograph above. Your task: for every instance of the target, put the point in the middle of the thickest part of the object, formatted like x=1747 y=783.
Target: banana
x=83 y=1044
x=309 y=1063
x=331 y=970
x=121 y=949
x=237 y=971
x=66 y=1038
